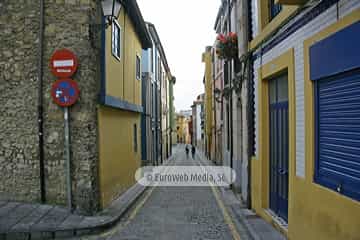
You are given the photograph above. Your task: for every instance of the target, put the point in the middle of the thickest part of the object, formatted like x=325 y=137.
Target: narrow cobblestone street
x=174 y=213
x=180 y=120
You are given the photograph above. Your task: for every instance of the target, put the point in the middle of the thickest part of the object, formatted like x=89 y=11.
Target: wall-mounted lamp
x=217 y=95
x=111 y=9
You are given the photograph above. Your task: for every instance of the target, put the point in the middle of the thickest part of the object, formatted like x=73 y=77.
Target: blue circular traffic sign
x=65 y=92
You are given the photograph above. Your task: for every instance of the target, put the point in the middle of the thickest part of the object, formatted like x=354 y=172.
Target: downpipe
x=40 y=104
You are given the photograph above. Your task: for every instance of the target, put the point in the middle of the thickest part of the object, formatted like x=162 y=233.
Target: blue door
x=279 y=145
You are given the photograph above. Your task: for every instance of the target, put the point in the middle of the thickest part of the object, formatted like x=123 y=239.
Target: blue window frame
x=337 y=133
x=275 y=9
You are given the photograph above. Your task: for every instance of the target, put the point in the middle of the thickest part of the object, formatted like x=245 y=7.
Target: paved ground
x=36 y=221
x=176 y=213
x=160 y=213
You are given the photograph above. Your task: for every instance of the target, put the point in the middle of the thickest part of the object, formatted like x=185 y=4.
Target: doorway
x=279 y=145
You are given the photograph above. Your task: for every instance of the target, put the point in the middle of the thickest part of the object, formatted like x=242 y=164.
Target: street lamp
x=217 y=95
x=111 y=9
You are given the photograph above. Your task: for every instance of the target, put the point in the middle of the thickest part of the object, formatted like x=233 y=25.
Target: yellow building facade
x=315 y=210
x=182 y=129
x=120 y=111
x=208 y=103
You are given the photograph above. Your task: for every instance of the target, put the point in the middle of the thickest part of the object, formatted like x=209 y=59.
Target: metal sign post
x=68 y=157
x=65 y=93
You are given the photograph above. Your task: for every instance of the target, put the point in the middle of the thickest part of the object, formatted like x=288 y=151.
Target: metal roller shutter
x=338 y=133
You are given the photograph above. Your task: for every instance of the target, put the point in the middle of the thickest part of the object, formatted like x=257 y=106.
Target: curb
x=96 y=228
x=238 y=214
x=72 y=232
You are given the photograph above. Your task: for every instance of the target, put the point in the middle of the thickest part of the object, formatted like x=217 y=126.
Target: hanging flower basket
x=227 y=46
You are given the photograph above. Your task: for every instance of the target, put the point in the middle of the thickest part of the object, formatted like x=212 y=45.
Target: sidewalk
x=245 y=219
x=24 y=221
x=20 y=221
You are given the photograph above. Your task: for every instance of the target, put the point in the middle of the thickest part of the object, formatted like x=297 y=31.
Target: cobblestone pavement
x=173 y=213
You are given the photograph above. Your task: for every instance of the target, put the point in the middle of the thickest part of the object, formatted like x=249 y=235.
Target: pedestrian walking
x=187 y=151
x=193 y=150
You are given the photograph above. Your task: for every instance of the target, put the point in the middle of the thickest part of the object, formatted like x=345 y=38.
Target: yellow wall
x=118 y=70
x=320 y=212
x=267 y=27
x=208 y=99
x=315 y=212
x=260 y=167
x=118 y=160
x=183 y=130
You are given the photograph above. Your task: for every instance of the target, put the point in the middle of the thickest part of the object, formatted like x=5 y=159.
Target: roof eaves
x=158 y=44
x=139 y=23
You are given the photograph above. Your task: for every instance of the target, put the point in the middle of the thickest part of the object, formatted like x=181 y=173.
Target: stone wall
x=19 y=159
x=67 y=25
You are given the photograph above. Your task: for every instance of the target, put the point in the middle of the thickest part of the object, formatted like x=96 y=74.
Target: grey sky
x=185 y=28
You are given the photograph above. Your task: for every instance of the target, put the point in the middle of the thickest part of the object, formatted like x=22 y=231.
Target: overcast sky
x=185 y=28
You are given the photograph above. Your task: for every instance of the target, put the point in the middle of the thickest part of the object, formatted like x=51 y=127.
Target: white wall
x=198 y=122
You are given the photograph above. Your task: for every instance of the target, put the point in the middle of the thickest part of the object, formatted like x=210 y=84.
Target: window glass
x=282 y=88
x=115 y=39
x=152 y=59
x=275 y=9
x=272 y=91
x=138 y=67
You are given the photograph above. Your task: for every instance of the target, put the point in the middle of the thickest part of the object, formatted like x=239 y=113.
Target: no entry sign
x=65 y=92
x=63 y=63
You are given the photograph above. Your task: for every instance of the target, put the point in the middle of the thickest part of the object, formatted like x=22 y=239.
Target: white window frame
x=117 y=25
x=138 y=77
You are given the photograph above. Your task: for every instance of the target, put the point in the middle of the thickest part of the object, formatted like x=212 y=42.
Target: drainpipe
x=214 y=102
x=40 y=103
x=231 y=95
x=161 y=121
x=250 y=113
x=247 y=34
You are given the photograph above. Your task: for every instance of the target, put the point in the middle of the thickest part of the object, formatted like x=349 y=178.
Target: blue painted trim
x=316 y=11
x=103 y=59
x=118 y=103
x=143 y=119
x=143 y=138
x=336 y=53
x=316 y=114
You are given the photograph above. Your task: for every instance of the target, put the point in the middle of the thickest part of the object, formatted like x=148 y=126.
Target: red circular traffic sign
x=63 y=63
x=65 y=92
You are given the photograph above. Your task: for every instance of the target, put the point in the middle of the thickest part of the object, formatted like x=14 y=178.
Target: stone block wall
x=19 y=159
x=67 y=24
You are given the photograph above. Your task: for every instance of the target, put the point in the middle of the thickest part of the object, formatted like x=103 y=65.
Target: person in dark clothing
x=193 y=150
x=187 y=151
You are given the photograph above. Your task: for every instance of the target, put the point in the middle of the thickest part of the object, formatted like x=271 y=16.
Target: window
x=158 y=69
x=116 y=40
x=337 y=133
x=274 y=8
x=138 y=68
x=226 y=73
x=135 y=138
x=152 y=59
x=228 y=132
